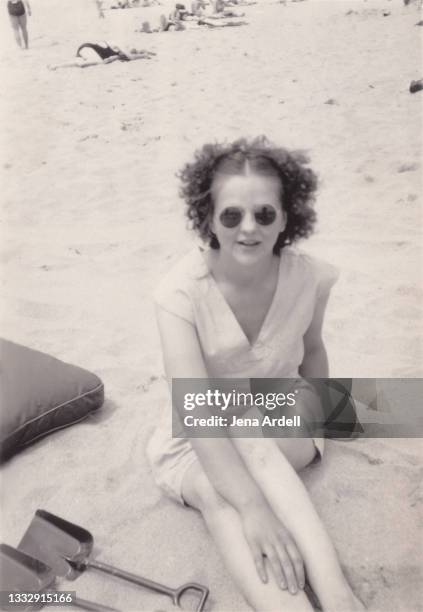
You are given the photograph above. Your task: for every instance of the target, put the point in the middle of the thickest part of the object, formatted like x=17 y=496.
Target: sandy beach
x=91 y=220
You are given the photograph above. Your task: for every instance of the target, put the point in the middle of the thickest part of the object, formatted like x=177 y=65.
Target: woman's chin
x=249 y=254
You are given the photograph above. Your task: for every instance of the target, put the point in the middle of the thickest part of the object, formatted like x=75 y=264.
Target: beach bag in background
x=39 y=395
x=16 y=9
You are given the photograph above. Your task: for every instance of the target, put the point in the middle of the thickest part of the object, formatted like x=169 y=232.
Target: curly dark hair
x=299 y=184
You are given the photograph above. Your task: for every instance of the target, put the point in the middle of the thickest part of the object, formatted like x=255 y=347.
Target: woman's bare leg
x=25 y=37
x=225 y=527
x=78 y=64
x=22 y=23
x=17 y=34
x=290 y=501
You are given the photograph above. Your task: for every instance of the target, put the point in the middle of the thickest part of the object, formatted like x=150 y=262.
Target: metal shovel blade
x=56 y=542
x=21 y=573
x=66 y=547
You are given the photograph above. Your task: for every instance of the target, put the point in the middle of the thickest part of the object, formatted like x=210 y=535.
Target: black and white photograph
x=211 y=316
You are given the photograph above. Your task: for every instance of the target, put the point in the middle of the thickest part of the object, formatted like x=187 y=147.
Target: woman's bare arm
x=225 y=468
x=183 y=359
x=315 y=362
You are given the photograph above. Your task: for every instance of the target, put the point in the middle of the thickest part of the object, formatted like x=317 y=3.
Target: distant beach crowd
x=208 y=14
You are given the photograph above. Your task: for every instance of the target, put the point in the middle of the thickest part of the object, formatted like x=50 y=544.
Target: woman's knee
x=198 y=492
x=300 y=452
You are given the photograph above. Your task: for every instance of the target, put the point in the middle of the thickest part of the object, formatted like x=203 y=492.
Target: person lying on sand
x=106 y=54
x=125 y=4
x=103 y=50
x=122 y=5
x=204 y=21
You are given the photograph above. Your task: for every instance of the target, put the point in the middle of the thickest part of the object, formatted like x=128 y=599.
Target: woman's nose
x=248 y=222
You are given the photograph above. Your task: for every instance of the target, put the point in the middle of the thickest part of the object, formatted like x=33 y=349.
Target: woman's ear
x=211 y=223
x=284 y=220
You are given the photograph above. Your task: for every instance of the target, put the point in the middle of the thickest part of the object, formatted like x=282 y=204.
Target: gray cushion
x=40 y=394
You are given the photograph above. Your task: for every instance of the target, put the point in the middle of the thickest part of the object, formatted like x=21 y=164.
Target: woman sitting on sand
x=218 y=13
x=106 y=53
x=165 y=25
x=180 y=19
x=219 y=9
x=247 y=305
x=179 y=12
x=198 y=7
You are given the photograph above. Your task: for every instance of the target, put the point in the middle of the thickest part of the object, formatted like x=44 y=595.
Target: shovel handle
x=85 y=604
x=90 y=605
x=143 y=582
x=193 y=586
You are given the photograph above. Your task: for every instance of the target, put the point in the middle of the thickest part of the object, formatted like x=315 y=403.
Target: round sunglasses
x=232 y=216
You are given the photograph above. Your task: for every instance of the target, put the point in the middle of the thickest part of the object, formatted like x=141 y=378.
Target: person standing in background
x=18 y=11
x=100 y=10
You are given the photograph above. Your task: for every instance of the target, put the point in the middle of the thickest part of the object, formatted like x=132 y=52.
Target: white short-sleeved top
x=190 y=292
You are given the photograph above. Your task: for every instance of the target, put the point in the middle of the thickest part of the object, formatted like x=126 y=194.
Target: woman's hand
x=269 y=538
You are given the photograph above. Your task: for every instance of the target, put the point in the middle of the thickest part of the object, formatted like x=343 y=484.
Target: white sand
x=91 y=220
